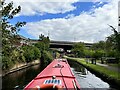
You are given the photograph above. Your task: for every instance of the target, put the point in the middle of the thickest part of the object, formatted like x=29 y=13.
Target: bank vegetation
x=14 y=52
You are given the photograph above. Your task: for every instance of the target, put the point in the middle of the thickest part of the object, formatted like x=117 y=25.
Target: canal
x=85 y=78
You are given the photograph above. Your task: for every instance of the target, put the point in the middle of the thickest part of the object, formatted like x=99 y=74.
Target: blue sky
x=44 y=19
x=80 y=7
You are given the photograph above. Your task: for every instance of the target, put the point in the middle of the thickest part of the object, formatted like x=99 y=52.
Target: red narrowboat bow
x=57 y=75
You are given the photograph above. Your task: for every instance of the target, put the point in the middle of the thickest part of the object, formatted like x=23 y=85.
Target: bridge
x=66 y=45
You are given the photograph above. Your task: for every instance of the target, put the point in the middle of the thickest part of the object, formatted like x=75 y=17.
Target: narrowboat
x=57 y=75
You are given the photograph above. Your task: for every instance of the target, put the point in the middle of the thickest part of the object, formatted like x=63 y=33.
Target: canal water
x=86 y=79
x=19 y=79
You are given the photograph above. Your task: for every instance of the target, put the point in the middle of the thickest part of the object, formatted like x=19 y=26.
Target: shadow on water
x=78 y=68
x=86 y=79
x=19 y=79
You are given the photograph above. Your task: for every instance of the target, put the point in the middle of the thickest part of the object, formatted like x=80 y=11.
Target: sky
x=67 y=20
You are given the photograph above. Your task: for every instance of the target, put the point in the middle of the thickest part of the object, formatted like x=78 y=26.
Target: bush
x=21 y=56
x=46 y=57
x=37 y=53
x=31 y=53
x=15 y=56
x=7 y=63
x=11 y=59
x=28 y=53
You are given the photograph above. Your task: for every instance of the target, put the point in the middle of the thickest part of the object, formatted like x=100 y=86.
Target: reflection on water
x=20 y=78
x=86 y=79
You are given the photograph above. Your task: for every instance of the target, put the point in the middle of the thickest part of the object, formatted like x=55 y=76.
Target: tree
x=45 y=40
x=46 y=58
x=78 y=49
x=116 y=40
x=31 y=53
x=43 y=46
x=98 y=46
x=9 y=31
x=43 y=43
x=37 y=53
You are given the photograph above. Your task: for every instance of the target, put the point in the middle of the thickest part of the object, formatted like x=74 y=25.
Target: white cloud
x=88 y=26
x=40 y=7
x=69 y=16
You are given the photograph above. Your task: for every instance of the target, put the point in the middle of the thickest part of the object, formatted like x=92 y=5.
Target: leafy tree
x=98 y=46
x=9 y=31
x=31 y=53
x=37 y=53
x=98 y=54
x=40 y=46
x=78 y=49
x=110 y=43
x=46 y=58
x=46 y=41
x=43 y=46
x=43 y=43
x=88 y=53
x=115 y=40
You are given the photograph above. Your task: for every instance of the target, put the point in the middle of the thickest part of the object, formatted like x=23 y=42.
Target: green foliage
x=45 y=41
x=103 y=49
x=88 y=53
x=43 y=46
x=12 y=54
x=9 y=34
x=116 y=38
x=7 y=63
x=98 y=46
x=31 y=53
x=21 y=56
x=46 y=57
x=9 y=31
x=78 y=49
x=98 y=54
x=37 y=53
x=111 y=53
x=28 y=53
x=110 y=42
x=40 y=45
x=114 y=41
x=15 y=55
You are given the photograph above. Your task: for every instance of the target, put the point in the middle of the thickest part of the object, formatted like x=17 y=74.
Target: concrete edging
x=21 y=67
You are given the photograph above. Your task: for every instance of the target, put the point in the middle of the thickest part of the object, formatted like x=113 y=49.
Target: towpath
x=110 y=67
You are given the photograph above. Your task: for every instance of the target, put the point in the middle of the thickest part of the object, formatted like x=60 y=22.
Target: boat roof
x=60 y=70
